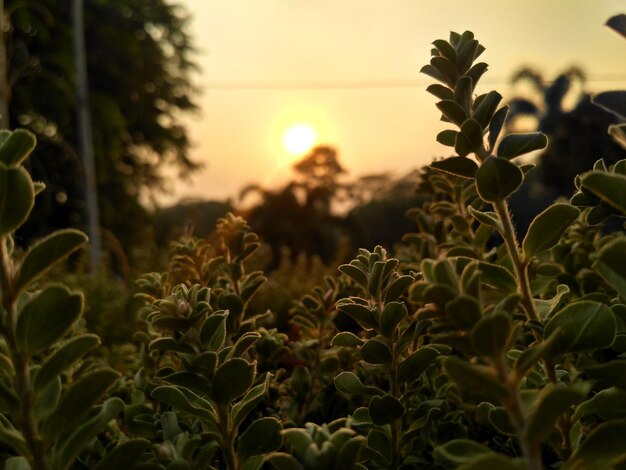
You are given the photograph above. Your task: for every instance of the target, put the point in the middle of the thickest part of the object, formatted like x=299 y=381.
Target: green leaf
x=618 y=132
x=249 y=401
x=486 y=109
x=447 y=137
x=470 y=139
x=244 y=343
x=497 y=178
x=283 y=461
x=82 y=436
x=349 y=453
x=609 y=403
x=476 y=72
x=452 y=111
x=475 y=378
x=356 y=274
x=609 y=187
x=460 y=451
x=433 y=72
x=486 y=218
x=495 y=126
x=298 y=440
x=463 y=311
x=457 y=166
x=445 y=49
x=186 y=401
x=47 y=317
x=602 y=448
x=440 y=91
x=611 y=264
x=397 y=288
x=17 y=463
x=496 y=276
x=16 y=147
x=348 y=382
x=213 y=331
x=514 y=145
x=547 y=228
x=361 y=313
x=12 y=437
x=552 y=402
x=261 y=437
x=391 y=316
x=232 y=379
x=385 y=409
x=47 y=399
x=46 y=253
x=612 y=373
x=376 y=352
x=531 y=356
x=466 y=54
x=124 y=455
x=63 y=358
x=416 y=363
x=78 y=401
x=17 y=198
x=490 y=335
x=446 y=68
x=347 y=340
x=463 y=93
x=583 y=325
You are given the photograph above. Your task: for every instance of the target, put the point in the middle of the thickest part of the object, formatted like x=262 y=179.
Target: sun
x=299 y=138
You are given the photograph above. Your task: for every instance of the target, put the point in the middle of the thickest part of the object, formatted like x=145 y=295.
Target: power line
x=233 y=85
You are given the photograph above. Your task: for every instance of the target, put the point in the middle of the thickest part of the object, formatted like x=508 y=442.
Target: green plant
x=200 y=356
x=50 y=399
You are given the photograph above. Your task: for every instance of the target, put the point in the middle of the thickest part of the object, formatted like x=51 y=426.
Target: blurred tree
x=300 y=216
x=577 y=137
x=319 y=173
x=139 y=64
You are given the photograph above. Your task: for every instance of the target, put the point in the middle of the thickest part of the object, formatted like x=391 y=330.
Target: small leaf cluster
x=51 y=399
x=200 y=357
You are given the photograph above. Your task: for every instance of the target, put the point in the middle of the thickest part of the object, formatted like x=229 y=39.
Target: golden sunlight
x=299 y=138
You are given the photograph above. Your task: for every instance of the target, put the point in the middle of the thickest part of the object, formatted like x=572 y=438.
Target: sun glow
x=298 y=139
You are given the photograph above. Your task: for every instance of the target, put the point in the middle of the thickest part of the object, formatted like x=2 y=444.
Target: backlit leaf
x=514 y=145
x=584 y=326
x=546 y=229
x=497 y=178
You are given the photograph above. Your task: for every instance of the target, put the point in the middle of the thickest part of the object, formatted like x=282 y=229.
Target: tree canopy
x=140 y=62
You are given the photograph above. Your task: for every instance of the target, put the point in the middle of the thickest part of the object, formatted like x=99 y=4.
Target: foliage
x=137 y=91
x=51 y=400
x=468 y=349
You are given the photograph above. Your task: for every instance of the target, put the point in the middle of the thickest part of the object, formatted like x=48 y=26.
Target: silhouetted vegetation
x=140 y=57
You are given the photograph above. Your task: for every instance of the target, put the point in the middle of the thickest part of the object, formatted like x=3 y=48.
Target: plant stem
x=228 y=438
x=393 y=388
x=21 y=382
x=519 y=266
x=514 y=408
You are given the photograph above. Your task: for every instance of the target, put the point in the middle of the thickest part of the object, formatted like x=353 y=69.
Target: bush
x=468 y=349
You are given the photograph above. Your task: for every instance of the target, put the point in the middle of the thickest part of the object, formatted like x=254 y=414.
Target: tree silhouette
x=139 y=60
x=577 y=137
x=300 y=215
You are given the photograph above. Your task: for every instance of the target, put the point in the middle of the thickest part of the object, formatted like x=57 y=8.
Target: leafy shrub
x=470 y=348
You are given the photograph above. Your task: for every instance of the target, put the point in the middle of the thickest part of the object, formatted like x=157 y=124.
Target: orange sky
x=350 y=69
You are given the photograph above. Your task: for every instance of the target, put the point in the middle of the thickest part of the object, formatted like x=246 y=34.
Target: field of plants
x=467 y=347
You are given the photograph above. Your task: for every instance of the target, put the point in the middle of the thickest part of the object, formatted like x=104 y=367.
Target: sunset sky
x=349 y=69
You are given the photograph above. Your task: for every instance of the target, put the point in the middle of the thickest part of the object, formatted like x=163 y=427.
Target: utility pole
x=85 y=138
x=4 y=82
